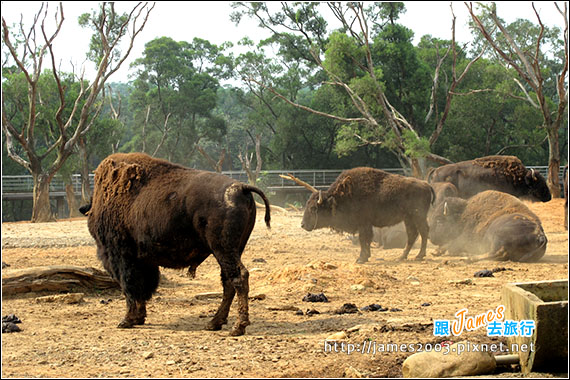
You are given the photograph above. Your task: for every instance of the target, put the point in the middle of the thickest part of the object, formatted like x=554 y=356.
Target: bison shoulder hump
x=509 y=166
x=114 y=178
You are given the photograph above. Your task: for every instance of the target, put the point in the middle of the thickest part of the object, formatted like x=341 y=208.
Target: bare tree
x=216 y=165
x=528 y=66
x=247 y=162
x=69 y=131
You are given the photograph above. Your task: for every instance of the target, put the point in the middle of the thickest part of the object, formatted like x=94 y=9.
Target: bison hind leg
x=221 y=316
x=412 y=232
x=235 y=279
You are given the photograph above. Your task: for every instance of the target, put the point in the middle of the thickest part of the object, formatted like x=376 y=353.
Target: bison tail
x=429 y=174
x=432 y=195
x=254 y=189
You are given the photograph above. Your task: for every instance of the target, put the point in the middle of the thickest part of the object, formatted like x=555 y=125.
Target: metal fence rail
x=269 y=179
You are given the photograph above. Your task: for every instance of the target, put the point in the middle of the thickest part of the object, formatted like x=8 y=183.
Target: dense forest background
x=305 y=98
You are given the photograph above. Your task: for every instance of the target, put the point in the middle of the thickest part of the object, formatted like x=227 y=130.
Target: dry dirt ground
x=81 y=340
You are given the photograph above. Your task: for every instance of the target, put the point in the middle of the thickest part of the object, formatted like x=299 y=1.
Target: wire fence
x=269 y=179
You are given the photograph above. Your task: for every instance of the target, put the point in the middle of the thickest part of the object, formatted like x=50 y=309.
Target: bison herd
x=146 y=212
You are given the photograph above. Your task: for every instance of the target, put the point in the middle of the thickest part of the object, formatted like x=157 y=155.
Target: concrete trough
x=546 y=303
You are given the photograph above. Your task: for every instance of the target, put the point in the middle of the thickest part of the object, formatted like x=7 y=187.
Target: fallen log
x=55 y=278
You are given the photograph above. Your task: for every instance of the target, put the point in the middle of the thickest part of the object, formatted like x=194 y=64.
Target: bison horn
x=533 y=176
x=320 y=201
x=445 y=209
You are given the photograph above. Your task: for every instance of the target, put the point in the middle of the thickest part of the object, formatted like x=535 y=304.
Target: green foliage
x=416 y=147
x=343 y=57
x=178 y=83
x=346 y=143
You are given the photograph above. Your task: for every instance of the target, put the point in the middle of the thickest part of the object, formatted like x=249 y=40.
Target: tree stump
x=56 y=278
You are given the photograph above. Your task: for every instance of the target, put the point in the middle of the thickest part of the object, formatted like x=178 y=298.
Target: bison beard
x=147 y=213
x=361 y=198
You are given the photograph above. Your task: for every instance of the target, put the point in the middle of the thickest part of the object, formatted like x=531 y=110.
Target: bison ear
x=530 y=177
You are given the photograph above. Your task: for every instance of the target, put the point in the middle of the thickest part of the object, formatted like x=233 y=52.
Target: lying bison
x=491 y=225
x=147 y=213
x=501 y=173
x=361 y=198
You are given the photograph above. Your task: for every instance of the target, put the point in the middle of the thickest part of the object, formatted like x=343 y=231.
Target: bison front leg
x=365 y=235
x=136 y=314
x=138 y=282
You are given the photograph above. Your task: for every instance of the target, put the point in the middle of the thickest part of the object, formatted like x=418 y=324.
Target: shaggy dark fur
x=501 y=173
x=493 y=224
x=147 y=213
x=364 y=197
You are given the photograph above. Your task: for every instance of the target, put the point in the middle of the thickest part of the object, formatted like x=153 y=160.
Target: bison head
x=318 y=212
x=445 y=221
x=537 y=186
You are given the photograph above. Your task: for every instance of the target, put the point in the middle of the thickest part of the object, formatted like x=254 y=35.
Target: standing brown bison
x=501 y=173
x=364 y=197
x=491 y=224
x=147 y=213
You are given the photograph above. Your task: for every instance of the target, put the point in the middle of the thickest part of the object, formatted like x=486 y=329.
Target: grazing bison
x=147 y=213
x=491 y=224
x=501 y=173
x=361 y=198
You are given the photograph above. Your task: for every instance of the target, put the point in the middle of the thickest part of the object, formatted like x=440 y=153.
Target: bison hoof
x=239 y=328
x=237 y=331
x=213 y=326
x=125 y=324
x=420 y=257
x=362 y=260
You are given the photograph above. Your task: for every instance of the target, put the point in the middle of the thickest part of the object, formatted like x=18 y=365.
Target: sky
x=210 y=20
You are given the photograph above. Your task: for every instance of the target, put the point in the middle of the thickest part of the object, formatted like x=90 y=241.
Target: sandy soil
x=81 y=340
